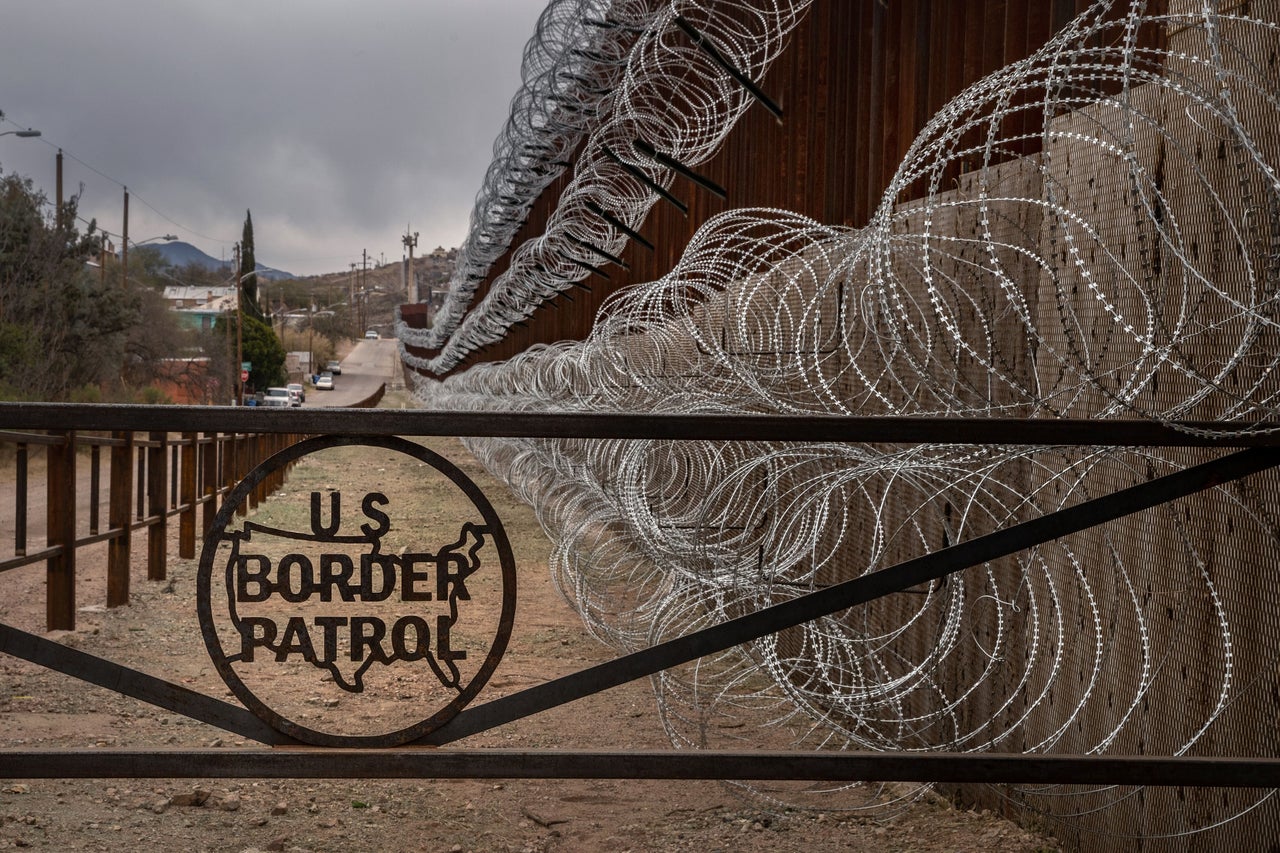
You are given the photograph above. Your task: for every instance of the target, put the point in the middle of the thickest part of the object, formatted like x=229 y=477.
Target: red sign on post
x=244 y=376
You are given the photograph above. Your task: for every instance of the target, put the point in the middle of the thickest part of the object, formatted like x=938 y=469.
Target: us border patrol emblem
x=357 y=617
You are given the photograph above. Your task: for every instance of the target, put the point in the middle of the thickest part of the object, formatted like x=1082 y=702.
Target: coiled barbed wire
x=570 y=66
x=1127 y=268
x=663 y=92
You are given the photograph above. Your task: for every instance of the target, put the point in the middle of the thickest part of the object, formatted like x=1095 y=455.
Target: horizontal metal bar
x=310 y=763
x=860 y=590
x=27 y=559
x=139 y=685
x=839 y=428
x=105 y=536
x=84 y=439
x=33 y=438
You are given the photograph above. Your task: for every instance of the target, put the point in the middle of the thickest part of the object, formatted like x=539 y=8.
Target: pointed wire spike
x=746 y=82
x=672 y=163
x=639 y=175
x=619 y=224
x=608 y=256
x=586 y=266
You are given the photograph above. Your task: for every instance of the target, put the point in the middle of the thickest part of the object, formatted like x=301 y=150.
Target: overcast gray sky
x=336 y=122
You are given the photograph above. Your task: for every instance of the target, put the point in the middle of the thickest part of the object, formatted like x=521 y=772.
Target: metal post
x=187 y=497
x=158 y=518
x=95 y=487
x=119 y=505
x=209 y=461
x=20 y=503
x=60 y=593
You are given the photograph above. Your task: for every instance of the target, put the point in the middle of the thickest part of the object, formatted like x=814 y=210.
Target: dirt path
x=159 y=633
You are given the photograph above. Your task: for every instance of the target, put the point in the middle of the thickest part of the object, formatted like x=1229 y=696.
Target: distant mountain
x=180 y=254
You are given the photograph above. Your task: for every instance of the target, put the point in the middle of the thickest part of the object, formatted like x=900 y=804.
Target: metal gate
x=435 y=754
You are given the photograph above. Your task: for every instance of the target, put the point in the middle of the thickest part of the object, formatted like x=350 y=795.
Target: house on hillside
x=200 y=307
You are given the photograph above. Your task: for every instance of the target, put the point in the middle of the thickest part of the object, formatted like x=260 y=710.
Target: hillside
x=180 y=254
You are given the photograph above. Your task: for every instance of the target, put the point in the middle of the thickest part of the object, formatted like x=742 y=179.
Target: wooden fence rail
x=151 y=476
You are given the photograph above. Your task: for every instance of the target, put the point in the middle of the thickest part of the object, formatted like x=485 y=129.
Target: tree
x=260 y=347
x=248 y=264
x=59 y=330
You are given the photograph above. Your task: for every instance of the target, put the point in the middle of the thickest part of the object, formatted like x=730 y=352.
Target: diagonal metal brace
x=139 y=685
x=861 y=590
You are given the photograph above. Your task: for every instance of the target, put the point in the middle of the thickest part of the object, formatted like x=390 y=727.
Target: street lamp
x=164 y=237
x=22 y=134
x=125 y=241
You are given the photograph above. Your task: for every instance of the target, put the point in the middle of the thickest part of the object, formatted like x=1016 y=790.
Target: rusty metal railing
x=150 y=476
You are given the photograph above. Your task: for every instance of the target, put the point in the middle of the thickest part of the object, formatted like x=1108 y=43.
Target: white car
x=324 y=382
x=296 y=389
x=371 y=335
x=277 y=398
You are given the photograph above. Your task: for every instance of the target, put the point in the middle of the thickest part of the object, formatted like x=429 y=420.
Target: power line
x=133 y=194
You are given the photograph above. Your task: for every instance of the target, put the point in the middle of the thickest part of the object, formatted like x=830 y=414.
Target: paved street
x=369 y=365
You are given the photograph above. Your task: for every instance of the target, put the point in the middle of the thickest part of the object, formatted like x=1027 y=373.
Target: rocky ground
x=159 y=633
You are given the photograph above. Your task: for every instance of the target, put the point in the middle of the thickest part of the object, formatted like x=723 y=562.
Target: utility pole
x=237 y=367
x=351 y=298
x=124 y=244
x=364 y=284
x=411 y=280
x=57 y=216
x=102 y=262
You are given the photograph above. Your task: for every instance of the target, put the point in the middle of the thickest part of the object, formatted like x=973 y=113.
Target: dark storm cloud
x=336 y=123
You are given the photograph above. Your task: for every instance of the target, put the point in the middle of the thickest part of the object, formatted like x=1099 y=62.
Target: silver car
x=277 y=398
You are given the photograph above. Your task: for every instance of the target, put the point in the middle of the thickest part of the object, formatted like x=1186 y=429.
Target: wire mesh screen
x=1127 y=269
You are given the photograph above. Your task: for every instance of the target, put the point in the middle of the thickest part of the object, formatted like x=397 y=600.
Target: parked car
x=334 y=367
x=277 y=398
x=324 y=382
x=296 y=387
x=371 y=335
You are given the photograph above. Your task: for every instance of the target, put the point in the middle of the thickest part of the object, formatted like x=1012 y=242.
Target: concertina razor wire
x=1127 y=269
